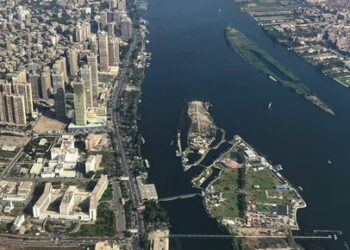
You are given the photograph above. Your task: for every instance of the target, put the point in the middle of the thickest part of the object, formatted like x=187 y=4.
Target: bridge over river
x=183 y=196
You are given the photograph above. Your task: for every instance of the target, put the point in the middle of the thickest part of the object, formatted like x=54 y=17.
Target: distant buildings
x=34 y=80
x=82 y=31
x=12 y=109
x=121 y=5
x=38 y=61
x=103 y=19
x=126 y=27
x=15 y=100
x=25 y=89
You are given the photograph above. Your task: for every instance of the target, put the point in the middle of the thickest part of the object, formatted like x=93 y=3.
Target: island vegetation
x=244 y=192
x=271 y=67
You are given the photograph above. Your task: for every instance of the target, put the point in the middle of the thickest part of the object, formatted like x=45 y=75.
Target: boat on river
x=269 y=107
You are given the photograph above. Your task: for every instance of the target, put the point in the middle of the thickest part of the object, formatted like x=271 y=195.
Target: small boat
x=272 y=78
x=171 y=143
x=178 y=154
x=269 y=107
x=300 y=188
x=142 y=140
x=147 y=163
x=329 y=162
x=219 y=10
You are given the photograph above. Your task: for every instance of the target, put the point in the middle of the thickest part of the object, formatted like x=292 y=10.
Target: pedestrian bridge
x=183 y=196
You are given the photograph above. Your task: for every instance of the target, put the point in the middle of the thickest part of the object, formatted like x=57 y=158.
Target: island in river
x=242 y=191
x=269 y=66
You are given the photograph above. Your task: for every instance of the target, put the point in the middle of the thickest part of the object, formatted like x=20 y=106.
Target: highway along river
x=190 y=59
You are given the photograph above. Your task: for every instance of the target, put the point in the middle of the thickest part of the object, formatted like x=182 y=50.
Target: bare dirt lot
x=45 y=124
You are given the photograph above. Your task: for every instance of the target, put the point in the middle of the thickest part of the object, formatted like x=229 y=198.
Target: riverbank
x=270 y=67
x=250 y=197
x=244 y=193
x=293 y=24
x=196 y=63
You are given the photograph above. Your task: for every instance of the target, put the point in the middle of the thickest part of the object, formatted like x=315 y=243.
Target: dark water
x=193 y=157
x=214 y=175
x=215 y=153
x=218 y=138
x=190 y=59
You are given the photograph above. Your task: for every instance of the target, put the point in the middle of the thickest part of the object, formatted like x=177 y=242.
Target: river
x=190 y=59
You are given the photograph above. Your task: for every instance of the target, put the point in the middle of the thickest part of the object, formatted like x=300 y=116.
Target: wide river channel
x=191 y=60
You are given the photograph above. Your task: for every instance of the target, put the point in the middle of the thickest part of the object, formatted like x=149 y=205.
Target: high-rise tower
x=59 y=94
x=72 y=55
x=79 y=103
x=92 y=62
x=86 y=78
x=113 y=53
x=103 y=51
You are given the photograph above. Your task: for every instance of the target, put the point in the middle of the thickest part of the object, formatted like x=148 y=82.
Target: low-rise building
x=250 y=155
x=18 y=222
x=92 y=141
x=13 y=191
x=36 y=168
x=104 y=245
x=71 y=199
x=147 y=191
x=92 y=163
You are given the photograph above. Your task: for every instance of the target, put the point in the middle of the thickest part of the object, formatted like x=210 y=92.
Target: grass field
x=108 y=194
x=227 y=180
x=264 y=178
x=260 y=196
x=104 y=225
x=8 y=154
x=228 y=208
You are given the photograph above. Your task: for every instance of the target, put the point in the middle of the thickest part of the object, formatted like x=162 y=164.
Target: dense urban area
x=71 y=171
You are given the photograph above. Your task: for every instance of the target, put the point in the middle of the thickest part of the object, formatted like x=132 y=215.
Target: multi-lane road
x=45 y=241
x=116 y=92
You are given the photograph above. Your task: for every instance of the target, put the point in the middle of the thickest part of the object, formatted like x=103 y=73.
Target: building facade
x=103 y=51
x=79 y=103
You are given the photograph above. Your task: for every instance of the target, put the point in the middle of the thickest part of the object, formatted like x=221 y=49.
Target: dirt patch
x=45 y=124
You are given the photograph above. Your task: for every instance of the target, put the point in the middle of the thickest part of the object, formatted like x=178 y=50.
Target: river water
x=190 y=59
